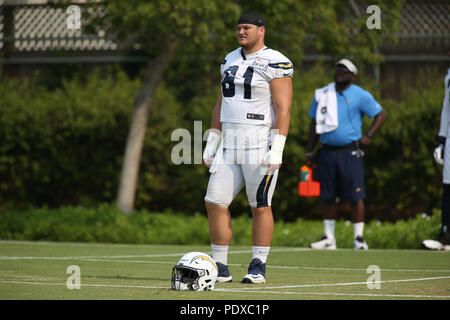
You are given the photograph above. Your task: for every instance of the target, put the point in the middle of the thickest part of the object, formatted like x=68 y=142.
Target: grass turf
x=38 y=271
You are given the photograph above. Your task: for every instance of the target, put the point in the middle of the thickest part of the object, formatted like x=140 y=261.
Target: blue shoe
x=224 y=274
x=256 y=272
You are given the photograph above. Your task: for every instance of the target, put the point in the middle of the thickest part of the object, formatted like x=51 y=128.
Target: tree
x=160 y=27
x=165 y=29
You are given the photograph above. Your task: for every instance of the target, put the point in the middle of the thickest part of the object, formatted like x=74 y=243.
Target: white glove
x=274 y=156
x=438 y=152
x=212 y=143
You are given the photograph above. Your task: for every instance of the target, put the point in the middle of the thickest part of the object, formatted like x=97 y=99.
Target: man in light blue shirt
x=340 y=164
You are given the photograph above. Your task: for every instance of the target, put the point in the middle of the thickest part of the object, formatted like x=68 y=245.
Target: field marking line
x=89 y=257
x=113 y=259
x=334 y=294
x=135 y=255
x=84 y=285
x=238 y=290
x=110 y=244
x=270 y=266
x=57 y=243
x=355 y=269
x=341 y=284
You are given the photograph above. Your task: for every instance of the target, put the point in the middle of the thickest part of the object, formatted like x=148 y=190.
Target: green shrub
x=402 y=174
x=65 y=147
x=62 y=145
x=106 y=223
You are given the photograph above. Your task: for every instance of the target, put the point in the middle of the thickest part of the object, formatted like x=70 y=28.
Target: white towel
x=326 y=113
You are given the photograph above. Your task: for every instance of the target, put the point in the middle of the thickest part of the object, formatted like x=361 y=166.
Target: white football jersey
x=444 y=129
x=246 y=96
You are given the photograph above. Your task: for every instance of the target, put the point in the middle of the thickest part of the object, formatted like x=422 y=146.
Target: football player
x=249 y=126
x=442 y=157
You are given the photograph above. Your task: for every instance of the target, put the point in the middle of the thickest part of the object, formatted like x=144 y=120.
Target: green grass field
x=38 y=270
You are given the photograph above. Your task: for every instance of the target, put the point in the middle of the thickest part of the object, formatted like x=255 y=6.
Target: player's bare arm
x=215 y=121
x=214 y=136
x=281 y=90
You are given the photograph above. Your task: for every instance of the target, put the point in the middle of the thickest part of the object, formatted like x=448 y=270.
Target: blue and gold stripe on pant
x=263 y=191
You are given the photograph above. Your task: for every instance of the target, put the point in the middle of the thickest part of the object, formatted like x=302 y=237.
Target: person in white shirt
x=249 y=126
x=442 y=157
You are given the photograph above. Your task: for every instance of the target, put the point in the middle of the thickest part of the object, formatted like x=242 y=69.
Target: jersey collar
x=251 y=54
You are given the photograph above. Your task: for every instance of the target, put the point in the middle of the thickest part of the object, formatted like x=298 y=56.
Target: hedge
x=65 y=146
x=108 y=224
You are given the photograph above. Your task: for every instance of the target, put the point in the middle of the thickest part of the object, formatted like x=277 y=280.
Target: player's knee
x=261 y=210
x=212 y=204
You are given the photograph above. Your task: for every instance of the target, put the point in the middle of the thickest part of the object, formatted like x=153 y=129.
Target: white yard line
x=82 y=285
x=133 y=256
x=335 y=294
x=90 y=257
x=99 y=244
x=356 y=269
x=77 y=244
x=115 y=259
x=339 y=284
x=264 y=289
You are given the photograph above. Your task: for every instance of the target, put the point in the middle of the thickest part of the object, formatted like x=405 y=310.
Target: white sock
x=328 y=226
x=219 y=253
x=260 y=252
x=358 y=229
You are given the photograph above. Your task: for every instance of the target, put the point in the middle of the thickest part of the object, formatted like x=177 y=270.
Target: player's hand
x=274 y=157
x=439 y=150
x=438 y=154
x=208 y=161
x=212 y=144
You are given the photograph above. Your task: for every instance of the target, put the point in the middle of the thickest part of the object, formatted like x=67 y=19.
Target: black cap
x=252 y=18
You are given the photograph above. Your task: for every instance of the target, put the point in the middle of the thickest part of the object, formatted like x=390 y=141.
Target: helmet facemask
x=185 y=278
x=199 y=275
